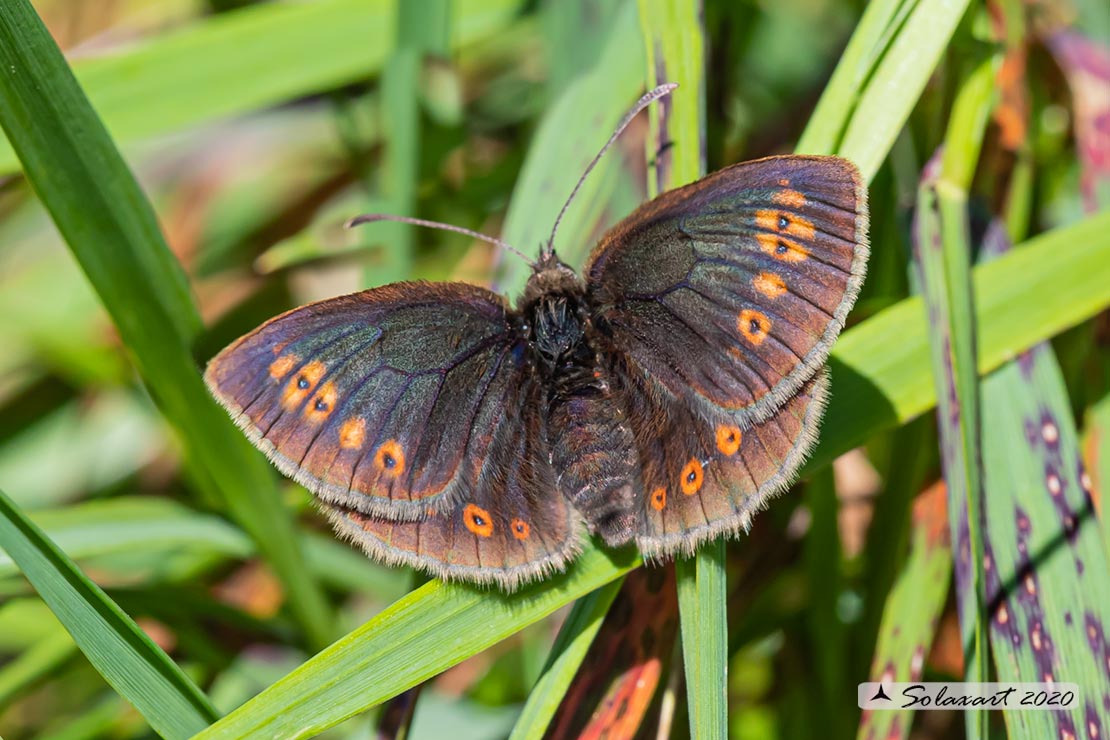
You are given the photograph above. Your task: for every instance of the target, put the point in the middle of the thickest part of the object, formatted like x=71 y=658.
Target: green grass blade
x=1048 y=581
x=120 y=651
x=674 y=43
x=911 y=612
x=233 y=63
x=877 y=384
x=426 y=632
x=892 y=79
x=571 y=645
x=111 y=230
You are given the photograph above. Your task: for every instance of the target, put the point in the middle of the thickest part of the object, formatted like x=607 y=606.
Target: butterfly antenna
x=650 y=97
x=369 y=218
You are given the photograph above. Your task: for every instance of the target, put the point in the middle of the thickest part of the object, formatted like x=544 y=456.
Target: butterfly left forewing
x=702 y=478
x=384 y=401
x=510 y=528
x=729 y=292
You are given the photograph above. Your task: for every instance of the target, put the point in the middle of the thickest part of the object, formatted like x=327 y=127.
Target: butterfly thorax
x=591 y=445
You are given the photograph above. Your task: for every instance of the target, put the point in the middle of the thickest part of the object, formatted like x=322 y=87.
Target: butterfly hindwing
x=729 y=292
x=511 y=528
x=384 y=401
x=702 y=479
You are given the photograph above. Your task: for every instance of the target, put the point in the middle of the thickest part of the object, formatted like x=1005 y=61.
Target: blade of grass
x=674 y=45
x=877 y=383
x=111 y=230
x=424 y=633
x=574 y=639
x=121 y=652
x=232 y=63
x=943 y=257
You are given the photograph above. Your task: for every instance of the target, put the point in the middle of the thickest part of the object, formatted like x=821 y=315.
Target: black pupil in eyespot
x=755 y=328
x=321 y=405
x=479 y=521
x=783 y=222
x=691 y=476
x=781 y=248
x=302 y=383
x=388 y=460
x=520 y=527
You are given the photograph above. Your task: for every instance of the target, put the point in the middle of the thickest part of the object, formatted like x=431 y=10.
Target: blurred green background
x=255 y=129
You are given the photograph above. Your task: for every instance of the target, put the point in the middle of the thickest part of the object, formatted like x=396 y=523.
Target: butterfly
x=661 y=398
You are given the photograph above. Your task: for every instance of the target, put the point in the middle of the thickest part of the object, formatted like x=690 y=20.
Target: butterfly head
x=550 y=275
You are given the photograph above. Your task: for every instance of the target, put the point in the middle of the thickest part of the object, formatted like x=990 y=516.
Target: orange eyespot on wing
x=390 y=458
x=782 y=248
x=478 y=520
x=302 y=384
x=659 y=498
x=787 y=197
x=728 y=439
x=520 y=528
x=321 y=405
x=692 y=476
x=753 y=326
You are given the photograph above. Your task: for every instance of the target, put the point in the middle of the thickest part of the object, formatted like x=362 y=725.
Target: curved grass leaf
x=111 y=230
x=121 y=652
x=569 y=135
x=261 y=55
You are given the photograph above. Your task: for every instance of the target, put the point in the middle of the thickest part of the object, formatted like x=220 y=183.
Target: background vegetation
x=157 y=577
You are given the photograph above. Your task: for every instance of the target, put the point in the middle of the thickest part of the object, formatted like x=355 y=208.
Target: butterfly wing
x=729 y=292
x=384 y=401
x=513 y=527
x=705 y=478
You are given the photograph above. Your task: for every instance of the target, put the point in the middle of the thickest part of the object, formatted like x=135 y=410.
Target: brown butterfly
x=661 y=399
